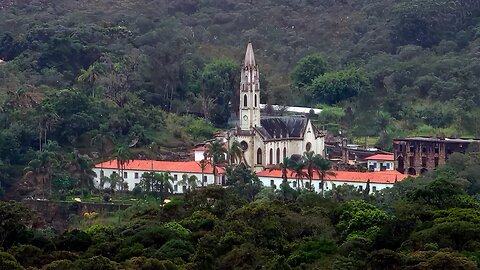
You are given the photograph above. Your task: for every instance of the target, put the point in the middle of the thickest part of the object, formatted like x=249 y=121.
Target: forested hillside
x=82 y=81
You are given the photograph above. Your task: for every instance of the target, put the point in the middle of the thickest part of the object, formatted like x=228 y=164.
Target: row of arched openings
x=245 y=101
x=278 y=155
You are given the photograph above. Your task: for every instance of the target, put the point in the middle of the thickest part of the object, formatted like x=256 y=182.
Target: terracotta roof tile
x=384 y=177
x=163 y=166
x=386 y=157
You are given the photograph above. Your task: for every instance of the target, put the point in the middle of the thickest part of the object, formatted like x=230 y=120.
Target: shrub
x=27 y=255
x=177 y=230
x=60 y=265
x=95 y=263
x=8 y=262
x=75 y=241
x=142 y=263
x=176 y=249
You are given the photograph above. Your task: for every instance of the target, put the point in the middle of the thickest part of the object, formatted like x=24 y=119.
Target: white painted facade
x=376 y=165
x=133 y=177
x=199 y=154
x=329 y=185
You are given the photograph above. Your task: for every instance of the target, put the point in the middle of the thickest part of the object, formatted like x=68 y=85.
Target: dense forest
x=84 y=81
x=432 y=222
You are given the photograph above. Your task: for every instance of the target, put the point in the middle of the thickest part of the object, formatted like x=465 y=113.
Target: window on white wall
x=175 y=188
x=175 y=177
x=204 y=178
x=374 y=189
x=102 y=173
x=294 y=184
x=360 y=188
x=125 y=175
x=136 y=175
x=272 y=183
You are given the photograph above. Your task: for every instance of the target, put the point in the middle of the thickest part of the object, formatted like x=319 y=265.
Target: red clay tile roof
x=386 y=157
x=163 y=166
x=383 y=177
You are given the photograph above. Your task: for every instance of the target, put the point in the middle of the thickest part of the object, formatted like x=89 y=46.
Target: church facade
x=266 y=141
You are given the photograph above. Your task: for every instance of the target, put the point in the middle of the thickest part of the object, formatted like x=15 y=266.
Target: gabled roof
x=160 y=166
x=282 y=127
x=383 y=177
x=386 y=157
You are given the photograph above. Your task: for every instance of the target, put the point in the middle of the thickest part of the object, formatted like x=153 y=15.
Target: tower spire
x=249 y=56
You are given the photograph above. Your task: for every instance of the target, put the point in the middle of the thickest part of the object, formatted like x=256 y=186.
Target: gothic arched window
x=255 y=100
x=259 y=156
x=284 y=153
x=245 y=102
x=271 y=156
x=278 y=155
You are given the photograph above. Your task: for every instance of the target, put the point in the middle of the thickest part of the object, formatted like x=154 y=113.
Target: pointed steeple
x=249 y=56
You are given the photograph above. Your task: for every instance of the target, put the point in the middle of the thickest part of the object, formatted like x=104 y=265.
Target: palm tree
x=114 y=180
x=283 y=166
x=80 y=167
x=215 y=153
x=236 y=154
x=297 y=167
x=162 y=183
x=322 y=167
x=203 y=166
x=41 y=169
x=146 y=182
x=90 y=77
x=123 y=155
x=191 y=182
x=309 y=161
x=100 y=140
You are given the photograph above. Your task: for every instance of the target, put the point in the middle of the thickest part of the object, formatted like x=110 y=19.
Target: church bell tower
x=249 y=92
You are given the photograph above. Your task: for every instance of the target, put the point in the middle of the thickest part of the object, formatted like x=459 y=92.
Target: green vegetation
x=88 y=81
x=431 y=222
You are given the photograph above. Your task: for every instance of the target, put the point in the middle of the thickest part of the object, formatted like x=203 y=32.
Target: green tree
x=307 y=69
x=203 y=164
x=190 y=181
x=236 y=154
x=80 y=168
x=322 y=166
x=297 y=168
x=359 y=219
x=162 y=183
x=333 y=87
x=219 y=80
x=215 y=153
x=41 y=169
x=90 y=77
x=14 y=221
x=122 y=155
x=114 y=180
x=8 y=262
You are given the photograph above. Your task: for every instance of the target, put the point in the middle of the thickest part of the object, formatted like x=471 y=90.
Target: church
x=267 y=140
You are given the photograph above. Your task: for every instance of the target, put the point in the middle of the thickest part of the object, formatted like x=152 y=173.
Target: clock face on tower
x=245 y=118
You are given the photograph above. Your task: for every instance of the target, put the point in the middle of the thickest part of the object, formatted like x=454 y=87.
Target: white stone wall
x=199 y=155
x=134 y=177
x=329 y=185
x=378 y=163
